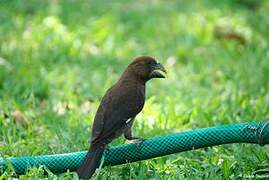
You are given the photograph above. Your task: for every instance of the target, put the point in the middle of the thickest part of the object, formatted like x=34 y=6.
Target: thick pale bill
x=161 y=72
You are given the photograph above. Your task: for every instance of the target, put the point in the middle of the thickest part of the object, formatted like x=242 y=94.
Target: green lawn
x=57 y=58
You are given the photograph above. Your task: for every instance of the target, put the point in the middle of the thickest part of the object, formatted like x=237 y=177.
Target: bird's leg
x=127 y=131
x=129 y=137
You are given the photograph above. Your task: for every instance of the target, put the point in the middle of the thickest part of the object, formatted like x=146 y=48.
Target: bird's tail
x=90 y=163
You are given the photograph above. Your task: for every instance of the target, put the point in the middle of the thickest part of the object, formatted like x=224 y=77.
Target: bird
x=118 y=109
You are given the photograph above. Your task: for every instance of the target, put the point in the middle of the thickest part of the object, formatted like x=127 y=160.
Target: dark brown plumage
x=118 y=108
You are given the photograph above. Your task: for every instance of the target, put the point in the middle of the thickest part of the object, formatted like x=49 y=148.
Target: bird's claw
x=139 y=140
x=135 y=140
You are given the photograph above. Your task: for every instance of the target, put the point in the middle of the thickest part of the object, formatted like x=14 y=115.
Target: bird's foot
x=135 y=140
x=138 y=141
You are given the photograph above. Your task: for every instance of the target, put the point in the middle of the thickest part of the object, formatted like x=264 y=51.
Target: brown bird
x=118 y=108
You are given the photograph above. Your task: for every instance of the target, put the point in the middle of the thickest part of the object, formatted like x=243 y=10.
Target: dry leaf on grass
x=20 y=118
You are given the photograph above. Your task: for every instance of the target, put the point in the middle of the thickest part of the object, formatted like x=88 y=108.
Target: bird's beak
x=158 y=71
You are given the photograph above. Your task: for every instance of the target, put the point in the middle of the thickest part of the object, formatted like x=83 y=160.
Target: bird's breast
x=133 y=97
x=139 y=100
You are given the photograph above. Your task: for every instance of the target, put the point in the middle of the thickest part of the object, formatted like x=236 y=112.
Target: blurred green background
x=57 y=58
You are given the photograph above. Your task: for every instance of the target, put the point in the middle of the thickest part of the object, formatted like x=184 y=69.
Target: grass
x=59 y=57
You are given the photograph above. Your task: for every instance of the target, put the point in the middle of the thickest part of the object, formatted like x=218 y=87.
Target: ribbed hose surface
x=252 y=132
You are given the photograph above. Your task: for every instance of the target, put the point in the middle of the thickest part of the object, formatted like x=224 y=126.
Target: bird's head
x=146 y=68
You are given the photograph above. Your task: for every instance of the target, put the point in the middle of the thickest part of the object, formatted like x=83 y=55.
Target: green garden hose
x=253 y=132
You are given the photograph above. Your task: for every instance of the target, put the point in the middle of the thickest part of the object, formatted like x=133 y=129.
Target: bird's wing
x=99 y=120
x=111 y=115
